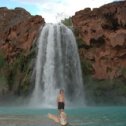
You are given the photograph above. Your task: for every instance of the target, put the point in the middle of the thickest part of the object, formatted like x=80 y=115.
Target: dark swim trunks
x=60 y=105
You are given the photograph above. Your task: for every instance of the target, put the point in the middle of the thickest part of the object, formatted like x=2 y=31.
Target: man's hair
x=61 y=90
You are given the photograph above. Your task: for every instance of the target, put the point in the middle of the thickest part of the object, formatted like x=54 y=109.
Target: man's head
x=61 y=91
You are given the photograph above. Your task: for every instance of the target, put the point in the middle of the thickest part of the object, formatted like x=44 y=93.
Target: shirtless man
x=61 y=100
x=62 y=117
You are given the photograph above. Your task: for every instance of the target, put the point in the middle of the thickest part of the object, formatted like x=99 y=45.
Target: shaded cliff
x=18 y=31
x=102 y=39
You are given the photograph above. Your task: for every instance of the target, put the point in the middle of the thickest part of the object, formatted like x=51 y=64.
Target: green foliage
x=86 y=66
x=2 y=60
x=15 y=76
x=2 y=80
x=26 y=83
x=106 y=92
x=79 y=41
x=22 y=66
x=67 y=21
x=123 y=71
x=10 y=78
x=13 y=70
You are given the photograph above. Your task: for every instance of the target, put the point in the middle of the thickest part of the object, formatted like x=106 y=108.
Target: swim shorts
x=60 y=105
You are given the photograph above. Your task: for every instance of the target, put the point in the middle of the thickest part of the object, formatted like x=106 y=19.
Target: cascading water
x=57 y=67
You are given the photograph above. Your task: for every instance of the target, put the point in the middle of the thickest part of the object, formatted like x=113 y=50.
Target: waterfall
x=57 y=67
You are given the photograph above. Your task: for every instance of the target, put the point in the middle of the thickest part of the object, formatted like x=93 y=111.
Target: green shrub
x=86 y=66
x=2 y=60
x=105 y=92
x=67 y=21
x=123 y=71
x=3 y=80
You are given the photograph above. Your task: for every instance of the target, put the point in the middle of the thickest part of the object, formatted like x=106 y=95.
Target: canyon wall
x=18 y=33
x=102 y=39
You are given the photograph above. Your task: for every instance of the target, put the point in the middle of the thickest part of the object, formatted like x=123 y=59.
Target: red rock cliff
x=18 y=30
x=103 y=31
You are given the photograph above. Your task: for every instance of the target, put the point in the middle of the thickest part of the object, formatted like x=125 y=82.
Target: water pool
x=88 y=116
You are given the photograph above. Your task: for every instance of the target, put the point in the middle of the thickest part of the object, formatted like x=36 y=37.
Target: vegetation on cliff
x=18 y=32
x=67 y=21
x=15 y=77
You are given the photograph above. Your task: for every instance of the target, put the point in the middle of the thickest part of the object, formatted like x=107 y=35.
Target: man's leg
x=54 y=118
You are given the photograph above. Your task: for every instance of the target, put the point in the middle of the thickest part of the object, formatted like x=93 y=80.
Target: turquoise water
x=88 y=116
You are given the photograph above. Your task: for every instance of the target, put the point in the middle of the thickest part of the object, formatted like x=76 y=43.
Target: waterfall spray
x=57 y=66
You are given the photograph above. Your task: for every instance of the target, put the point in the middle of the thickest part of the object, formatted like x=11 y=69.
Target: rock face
x=103 y=32
x=18 y=30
